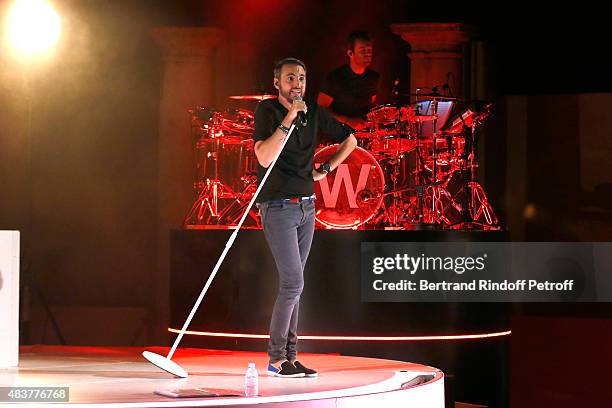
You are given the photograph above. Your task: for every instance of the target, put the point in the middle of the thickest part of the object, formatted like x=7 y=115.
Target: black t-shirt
x=352 y=92
x=292 y=173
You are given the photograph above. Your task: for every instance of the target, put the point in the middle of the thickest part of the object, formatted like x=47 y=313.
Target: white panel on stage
x=9 y=298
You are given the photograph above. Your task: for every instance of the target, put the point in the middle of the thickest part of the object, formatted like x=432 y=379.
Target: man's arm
x=267 y=150
x=325 y=101
x=344 y=150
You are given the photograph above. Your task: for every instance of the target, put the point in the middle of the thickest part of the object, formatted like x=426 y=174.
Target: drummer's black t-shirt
x=352 y=92
x=292 y=173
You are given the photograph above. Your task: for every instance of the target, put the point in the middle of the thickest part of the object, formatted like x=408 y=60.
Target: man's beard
x=288 y=95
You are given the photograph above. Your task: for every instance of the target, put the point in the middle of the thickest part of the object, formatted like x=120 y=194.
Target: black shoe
x=308 y=372
x=287 y=370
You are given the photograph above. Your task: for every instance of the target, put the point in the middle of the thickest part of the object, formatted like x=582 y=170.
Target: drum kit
x=226 y=170
x=414 y=168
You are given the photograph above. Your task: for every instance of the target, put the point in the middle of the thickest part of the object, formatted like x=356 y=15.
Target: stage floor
x=116 y=376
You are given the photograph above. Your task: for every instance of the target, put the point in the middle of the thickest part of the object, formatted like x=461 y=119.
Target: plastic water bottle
x=251 y=381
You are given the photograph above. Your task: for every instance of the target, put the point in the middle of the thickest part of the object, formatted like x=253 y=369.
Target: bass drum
x=352 y=194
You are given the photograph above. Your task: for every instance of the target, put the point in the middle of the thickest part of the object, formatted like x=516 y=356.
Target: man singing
x=286 y=201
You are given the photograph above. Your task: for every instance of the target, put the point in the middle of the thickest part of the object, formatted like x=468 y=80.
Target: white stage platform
x=120 y=377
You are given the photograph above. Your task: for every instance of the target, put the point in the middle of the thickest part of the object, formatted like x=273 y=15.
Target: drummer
x=349 y=91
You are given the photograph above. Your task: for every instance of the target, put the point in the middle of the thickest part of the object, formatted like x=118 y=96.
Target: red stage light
x=354 y=338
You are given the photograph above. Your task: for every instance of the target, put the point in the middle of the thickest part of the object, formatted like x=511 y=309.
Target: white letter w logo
x=343 y=176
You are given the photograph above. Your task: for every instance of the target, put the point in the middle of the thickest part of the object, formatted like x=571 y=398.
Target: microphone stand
x=166 y=363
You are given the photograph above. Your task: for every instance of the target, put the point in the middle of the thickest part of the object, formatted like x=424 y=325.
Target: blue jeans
x=289 y=228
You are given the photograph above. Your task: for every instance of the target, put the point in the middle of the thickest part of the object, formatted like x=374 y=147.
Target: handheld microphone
x=301 y=115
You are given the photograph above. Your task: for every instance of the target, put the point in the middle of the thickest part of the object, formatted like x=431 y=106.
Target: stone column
x=437 y=50
x=190 y=77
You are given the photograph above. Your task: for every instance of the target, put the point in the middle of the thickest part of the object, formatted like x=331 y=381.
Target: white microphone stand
x=166 y=363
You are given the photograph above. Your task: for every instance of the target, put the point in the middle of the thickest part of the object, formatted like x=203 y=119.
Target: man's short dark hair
x=357 y=35
x=286 y=61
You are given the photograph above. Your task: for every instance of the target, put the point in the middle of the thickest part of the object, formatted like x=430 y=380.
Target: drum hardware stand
x=205 y=209
x=233 y=211
x=424 y=222
x=419 y=162
x=474 y=193
x=434 y=197
x=438 y=190
x=420 y=192
x=392 y=216
x=393 y=213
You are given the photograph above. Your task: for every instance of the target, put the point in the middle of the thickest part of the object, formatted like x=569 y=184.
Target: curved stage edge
x=240 y=300
x=120 y=377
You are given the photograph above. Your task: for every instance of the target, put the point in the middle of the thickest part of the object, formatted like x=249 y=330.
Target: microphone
x=301 y=115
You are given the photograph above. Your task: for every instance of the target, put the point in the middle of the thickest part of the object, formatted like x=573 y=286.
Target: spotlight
x=33 y=26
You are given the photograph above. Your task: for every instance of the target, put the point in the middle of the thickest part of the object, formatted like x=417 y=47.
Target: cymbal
x=224 y=140
x=440 y=139
x=436 y=96
x=452 y=132
x=374 y=134
x=253 y=97
x=420 y=118
x=377 y=134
